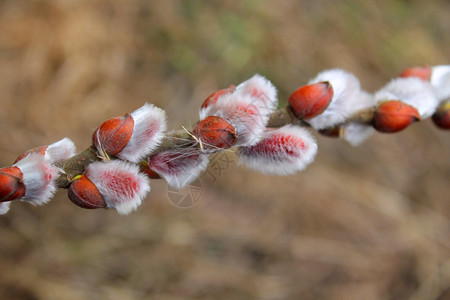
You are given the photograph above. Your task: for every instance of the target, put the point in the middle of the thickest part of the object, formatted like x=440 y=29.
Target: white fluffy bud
x=61 y=150
x=4 y=207
x=412 y=91
x=440 y=79
x=353 y=132
x=281 y=151
x=247 y=109
x=345 y=94
x=120 y=183
x=39 y=178
x=178 y=167
x=148 y=131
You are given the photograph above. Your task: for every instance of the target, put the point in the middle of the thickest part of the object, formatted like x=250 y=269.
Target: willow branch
x=179 y=139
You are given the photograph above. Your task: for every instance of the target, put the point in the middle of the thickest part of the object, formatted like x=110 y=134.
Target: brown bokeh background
x=370 y=222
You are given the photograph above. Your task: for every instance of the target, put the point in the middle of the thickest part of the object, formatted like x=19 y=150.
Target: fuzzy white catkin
x=39 y=178
x=258 y=87
x=120 y=183
x=148 y=132
x=179 y=167
x=61 y=150
x=345 y=94
x=353 y=132
x=282 y=151
x=248 y=121
x=247 y=108
x=412 y=91
x=440 y=80
x=4 y=207
x=261 y=89
x=39 y=174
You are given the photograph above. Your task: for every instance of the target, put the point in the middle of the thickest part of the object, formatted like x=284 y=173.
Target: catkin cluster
x=129 y=150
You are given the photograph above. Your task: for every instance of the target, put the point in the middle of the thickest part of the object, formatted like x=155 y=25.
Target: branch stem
x=179 y=139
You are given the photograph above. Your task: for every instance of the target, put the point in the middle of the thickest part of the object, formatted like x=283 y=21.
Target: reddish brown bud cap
x=11 y=184
x=40 y=149
x=113 y=135
x=84 y=193
x=214 y=132
x=311 y=100
x=394 y=116
x=441 y=118
x=214 y=96
x=333 y=132
x=423 y=73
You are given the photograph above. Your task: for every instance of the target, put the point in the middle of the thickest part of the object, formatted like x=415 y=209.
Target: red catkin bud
x=247 y=109
x=60 y=150
x=11 y=184
x=311 y=100
x=120 y=183
x=333 y=132
x=423 y=73
x=215 y=133
x=40 y=149
x=441 y=118
x=394 y=116
x=113 y=135
x=212 y=99
x=38 y=177
x=281 y=151
x=84 y=193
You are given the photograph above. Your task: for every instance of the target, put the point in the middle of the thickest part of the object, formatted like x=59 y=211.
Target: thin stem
x=75 y=165
x=364 y=116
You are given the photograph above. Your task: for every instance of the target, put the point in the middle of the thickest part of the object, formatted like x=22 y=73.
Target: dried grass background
x=370 y=222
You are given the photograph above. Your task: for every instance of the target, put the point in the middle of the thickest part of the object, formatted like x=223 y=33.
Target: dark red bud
x=423 y=73
x=84 y=193
x=40 y=149
x=311 y=100
x=394 y=116
x=113 y=135
x=214 y=96
x=214 y=132
x=333 y=132
x=441 y=118
x=11 y=184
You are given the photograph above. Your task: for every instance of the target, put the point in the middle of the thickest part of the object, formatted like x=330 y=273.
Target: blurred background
x=367 y=222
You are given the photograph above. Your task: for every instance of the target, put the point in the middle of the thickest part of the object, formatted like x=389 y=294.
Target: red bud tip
x=423 y=73
x=214 y=132
x=394 y=116
x=40 y=149
x=113 y=135
x=311 y=100
x=84 y=193
x=441 y=118
x=11 y=184
x=212 y=99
